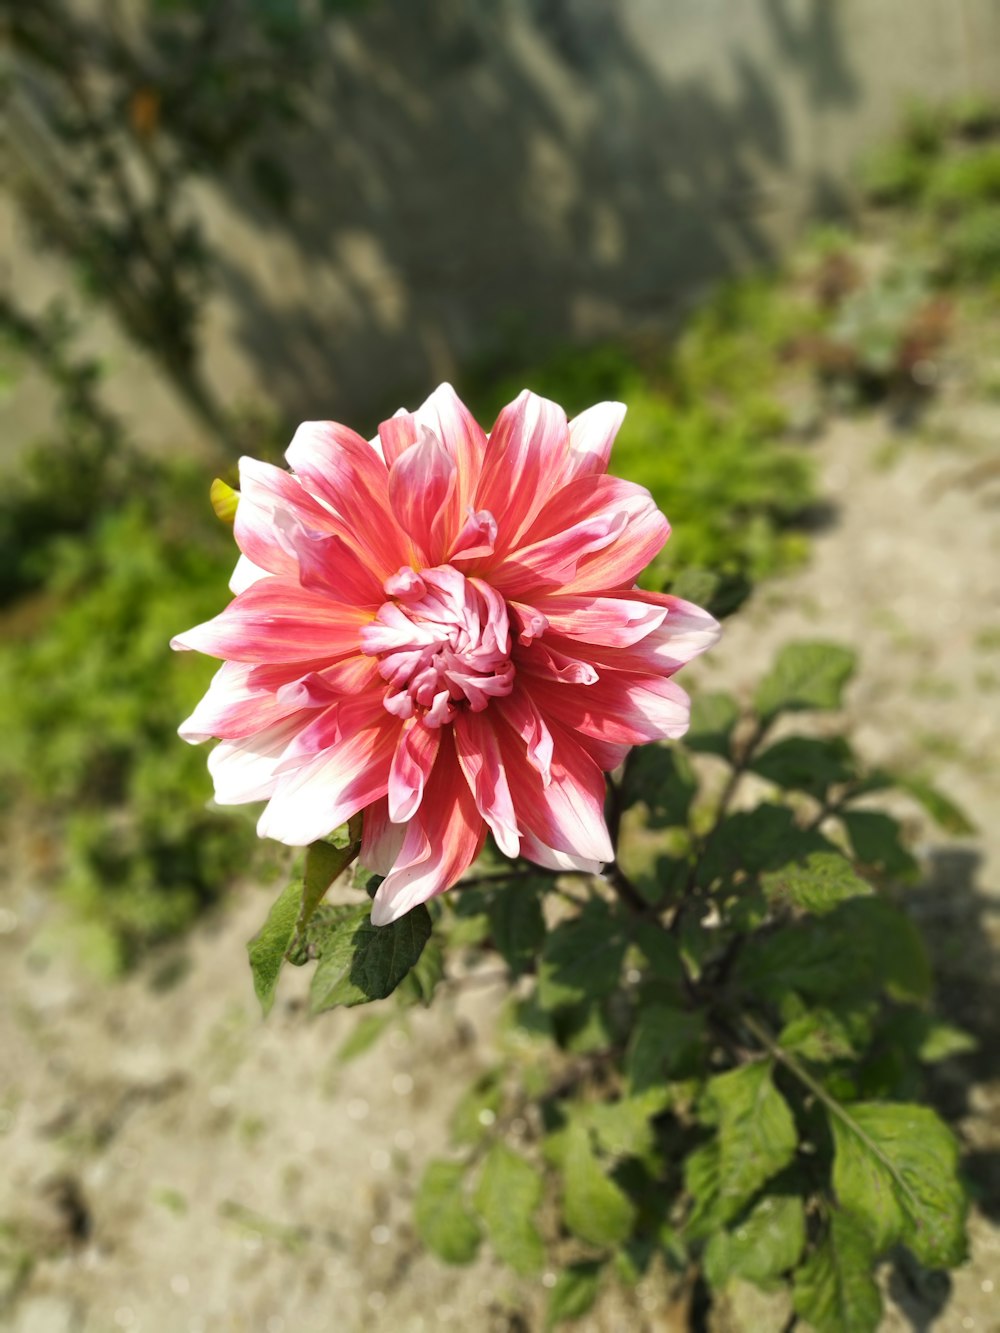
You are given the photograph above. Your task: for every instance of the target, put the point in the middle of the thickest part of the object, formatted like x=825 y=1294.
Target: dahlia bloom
x=440 y=628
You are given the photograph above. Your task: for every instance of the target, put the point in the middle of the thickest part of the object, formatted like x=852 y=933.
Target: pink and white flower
x=441 y=628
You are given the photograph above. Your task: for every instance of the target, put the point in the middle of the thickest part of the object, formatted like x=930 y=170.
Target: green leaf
x=509 y=1192
x=363 y=1036
x=443 y=1222
x=594 y=1207
x=664 y=1041
x=756 y=1133
x=903 y=964
x=360 y=962
x=824 y=881
x=761 y=1245
x=713 y=719
x=574 y=1293
x=941 y=1041
x=477 y=1109
x=834 y=1291
x=826 y=1034
x=805 y=676
x=943 y=811
x=516 y=923
x=663 y=780
x=863 y=945
x=750 y=841
x=422 y=980
x=895 y=1170
x=877 y=841
x=805 y=764
x=582 y=958
x=624 y=1128
x=821 y=958
x=324 y=862
x=268 y=947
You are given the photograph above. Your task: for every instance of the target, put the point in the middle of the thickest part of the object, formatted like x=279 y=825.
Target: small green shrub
x=973 y=244
x=89 y=708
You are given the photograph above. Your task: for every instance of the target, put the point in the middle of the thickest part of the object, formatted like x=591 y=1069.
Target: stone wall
x=478 y=173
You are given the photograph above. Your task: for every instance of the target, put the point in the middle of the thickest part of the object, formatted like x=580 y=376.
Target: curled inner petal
x=442 y=642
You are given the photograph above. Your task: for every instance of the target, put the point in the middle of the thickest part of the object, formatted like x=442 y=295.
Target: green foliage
x=835 y=1291
x=359 y=962
x=805 y=676
x=508 y=1194
x=721 y=1070
x=89 y=710
x=894 y=1171
x=443 y=1222
x=703 y=432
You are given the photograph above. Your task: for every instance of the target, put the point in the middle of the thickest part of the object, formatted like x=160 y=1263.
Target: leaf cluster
x=712 y=1053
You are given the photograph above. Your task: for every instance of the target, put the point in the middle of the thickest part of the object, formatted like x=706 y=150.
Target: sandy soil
x=172 y=1164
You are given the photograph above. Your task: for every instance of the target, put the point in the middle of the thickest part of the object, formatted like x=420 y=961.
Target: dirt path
x=173 y=1165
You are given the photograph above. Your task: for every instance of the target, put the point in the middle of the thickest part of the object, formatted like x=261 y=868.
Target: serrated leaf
x=582 y=958
x=805 y=763
x=664 y=1041
x=517 y=924
x=360 y=962
x=941 y=809
x=817 y=885
x=750 y=841
x=268 y=947
x=442 y=1220
x=756 y=1133
x=761 y=1245
x=805 y=676
x=594 y=1207
x=509 y=1192
x=713 y=719
x=877 y=841
x=863 y=945
x=834 y=1291
x=574 y=1293
x=895 y=1170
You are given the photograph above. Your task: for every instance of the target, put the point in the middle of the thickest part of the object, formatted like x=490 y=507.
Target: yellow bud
x=224 y=500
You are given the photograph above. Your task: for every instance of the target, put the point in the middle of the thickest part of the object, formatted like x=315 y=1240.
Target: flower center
x=442 y=642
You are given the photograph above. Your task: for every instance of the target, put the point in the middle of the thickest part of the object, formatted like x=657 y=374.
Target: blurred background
x=772 y=228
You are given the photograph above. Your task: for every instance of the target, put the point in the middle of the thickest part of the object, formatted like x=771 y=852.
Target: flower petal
x=479 y=755
x=533 y=850
x=276 y=620
x=346 y=474
x=422 y=492
x=331 y=787
x=381 y=839
x=568 y=813
x=591 y=435
x=245 y=770
x=525 y=456
x=623 y=707
x=412 y=762
x=233 y=707
x=442 y=840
